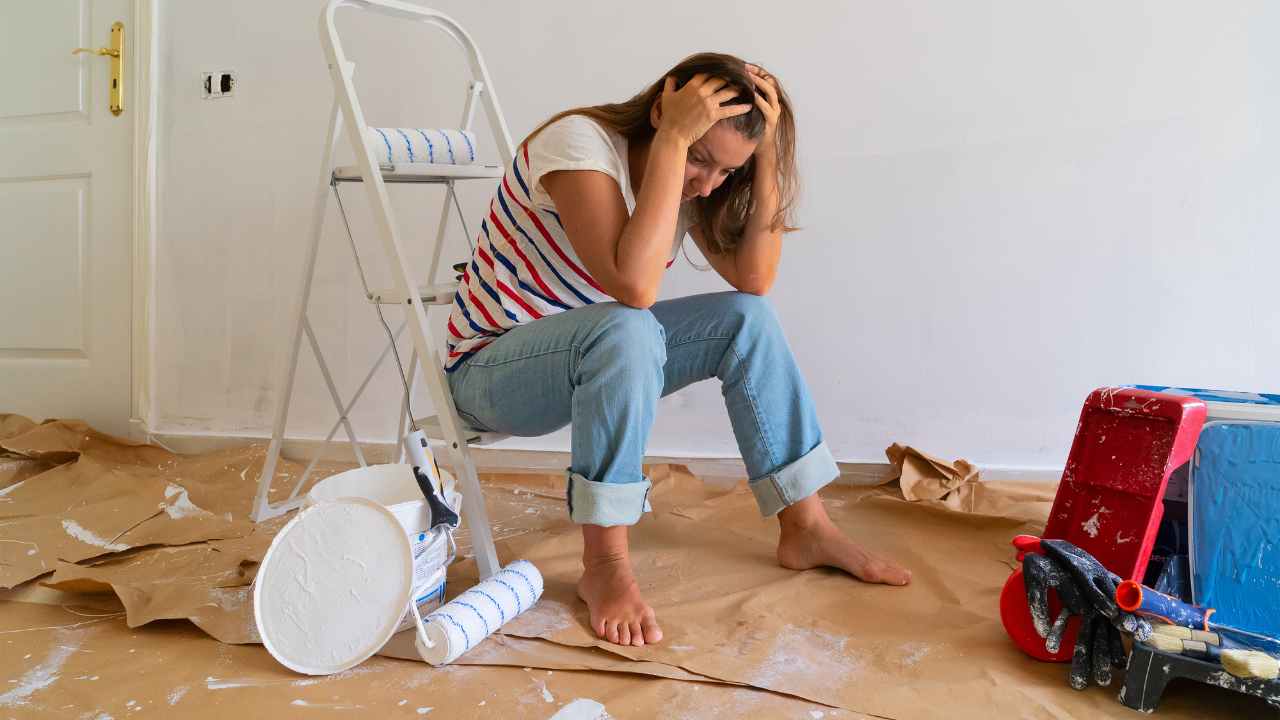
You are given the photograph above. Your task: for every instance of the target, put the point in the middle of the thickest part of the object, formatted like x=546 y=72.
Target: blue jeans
x=603 y=368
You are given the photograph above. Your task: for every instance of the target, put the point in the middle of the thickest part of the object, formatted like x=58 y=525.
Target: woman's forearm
x=645 y=242
x=757 y=254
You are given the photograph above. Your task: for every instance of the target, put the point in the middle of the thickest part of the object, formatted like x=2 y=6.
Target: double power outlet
x=221 y=83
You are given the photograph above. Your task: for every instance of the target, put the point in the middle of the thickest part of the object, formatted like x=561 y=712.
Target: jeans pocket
x=471 y=422
x=464 y=398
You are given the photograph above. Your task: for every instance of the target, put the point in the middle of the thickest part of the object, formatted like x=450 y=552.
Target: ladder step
x=430 y=426
x=438 y=294
x=422 y=173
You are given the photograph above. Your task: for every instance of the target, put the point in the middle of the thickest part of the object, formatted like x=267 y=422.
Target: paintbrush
x=1213 y=647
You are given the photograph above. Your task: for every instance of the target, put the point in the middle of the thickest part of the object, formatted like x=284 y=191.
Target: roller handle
x=1134 y=597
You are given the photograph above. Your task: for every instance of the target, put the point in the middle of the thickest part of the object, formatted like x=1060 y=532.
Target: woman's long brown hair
x=723 y=214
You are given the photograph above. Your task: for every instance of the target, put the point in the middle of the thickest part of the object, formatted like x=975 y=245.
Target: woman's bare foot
x=809 y=540
x=609 y=588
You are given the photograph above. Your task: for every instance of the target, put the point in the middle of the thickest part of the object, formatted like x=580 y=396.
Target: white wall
x=1006 y=204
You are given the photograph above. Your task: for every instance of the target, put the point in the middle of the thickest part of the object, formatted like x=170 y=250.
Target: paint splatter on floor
x=176 y=695
x=913 y=652
x=46 y=673
x=582 y=709
x=88 y=537
x=808 y=652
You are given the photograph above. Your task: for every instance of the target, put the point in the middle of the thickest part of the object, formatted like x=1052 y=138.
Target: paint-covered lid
x=333 y=586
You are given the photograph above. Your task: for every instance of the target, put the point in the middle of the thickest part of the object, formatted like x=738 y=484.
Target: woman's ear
x=655 y=113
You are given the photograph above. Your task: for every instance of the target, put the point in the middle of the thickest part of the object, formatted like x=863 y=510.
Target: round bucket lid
x=333 y=586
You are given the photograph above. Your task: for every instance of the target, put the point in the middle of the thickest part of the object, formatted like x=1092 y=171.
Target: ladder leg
x=290 y=363
x=444 y=223
x=473 y=509
x=333 y=429
x=333 y=393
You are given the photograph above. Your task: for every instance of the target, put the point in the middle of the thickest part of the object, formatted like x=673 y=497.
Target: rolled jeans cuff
x=792 y=483
x=599 y=503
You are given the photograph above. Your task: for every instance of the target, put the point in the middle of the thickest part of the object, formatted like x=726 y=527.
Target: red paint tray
x=1110 y=500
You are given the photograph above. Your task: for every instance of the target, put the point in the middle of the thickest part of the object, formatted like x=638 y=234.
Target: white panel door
x=65 y=214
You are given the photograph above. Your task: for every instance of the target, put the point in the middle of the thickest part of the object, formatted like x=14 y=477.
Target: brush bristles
x=1186 y=633
x=1166 y=643
x=1240 y=663
x=1251 y=664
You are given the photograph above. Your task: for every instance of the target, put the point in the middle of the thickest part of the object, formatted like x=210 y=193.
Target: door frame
x=143 y=102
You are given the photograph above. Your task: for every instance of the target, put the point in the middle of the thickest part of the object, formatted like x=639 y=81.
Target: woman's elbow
x=754 y=285
x=636 y=297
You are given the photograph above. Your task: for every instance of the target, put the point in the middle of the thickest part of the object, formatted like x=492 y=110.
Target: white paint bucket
x=394 y=487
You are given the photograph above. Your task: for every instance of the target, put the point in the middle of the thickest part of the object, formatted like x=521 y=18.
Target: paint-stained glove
x=1087 y=589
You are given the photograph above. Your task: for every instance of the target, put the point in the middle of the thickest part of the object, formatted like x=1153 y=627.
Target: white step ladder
x=406 y=292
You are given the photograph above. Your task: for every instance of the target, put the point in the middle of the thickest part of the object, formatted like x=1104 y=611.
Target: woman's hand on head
x=770 y=107
x=688 y=113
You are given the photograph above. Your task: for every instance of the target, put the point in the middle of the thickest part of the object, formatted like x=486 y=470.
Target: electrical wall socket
x=221 y=83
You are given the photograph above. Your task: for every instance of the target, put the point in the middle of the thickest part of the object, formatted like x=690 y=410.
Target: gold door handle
x=100 y=51
x=116 y=53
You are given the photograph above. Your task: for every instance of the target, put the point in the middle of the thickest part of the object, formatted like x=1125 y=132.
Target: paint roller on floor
x=477 y=613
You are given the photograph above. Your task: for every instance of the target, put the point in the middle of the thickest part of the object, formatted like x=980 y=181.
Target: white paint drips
x=582 y=709
x=11 y=488
x=177 y=694
x=44 y=674
x=333 y=706
x=88 y=537
x=914 y=652
x=1092 y=525
x=546 y=694
x=180 y=505
x=425 y=710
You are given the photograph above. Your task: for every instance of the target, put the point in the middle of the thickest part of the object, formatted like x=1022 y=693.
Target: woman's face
x=721 y=151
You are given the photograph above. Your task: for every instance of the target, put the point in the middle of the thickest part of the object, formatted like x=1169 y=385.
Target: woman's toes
x=612 y=631
x=624 y=634
x=649 y=625
x=637 y=635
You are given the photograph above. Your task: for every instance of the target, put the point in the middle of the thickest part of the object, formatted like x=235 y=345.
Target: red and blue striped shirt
x=523 y=267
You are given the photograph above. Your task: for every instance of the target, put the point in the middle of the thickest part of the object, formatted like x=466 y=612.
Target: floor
x=154 y=620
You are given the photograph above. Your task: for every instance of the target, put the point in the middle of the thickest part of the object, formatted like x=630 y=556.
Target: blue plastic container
x=1234 y=513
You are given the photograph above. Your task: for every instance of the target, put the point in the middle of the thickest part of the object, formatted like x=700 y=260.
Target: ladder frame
x=347 y=115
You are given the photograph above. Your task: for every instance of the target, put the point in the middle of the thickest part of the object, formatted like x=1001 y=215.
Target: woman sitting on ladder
x=557 y=321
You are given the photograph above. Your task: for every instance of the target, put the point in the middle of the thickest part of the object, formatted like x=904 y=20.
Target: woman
x=556 y=321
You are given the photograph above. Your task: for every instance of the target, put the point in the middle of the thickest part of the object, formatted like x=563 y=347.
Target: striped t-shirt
x=524 y=267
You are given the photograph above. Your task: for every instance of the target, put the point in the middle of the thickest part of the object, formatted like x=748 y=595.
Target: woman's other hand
x=688 y=113
x=770 y=107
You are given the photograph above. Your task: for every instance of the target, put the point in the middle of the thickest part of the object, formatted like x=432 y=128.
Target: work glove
x=1087 y=589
